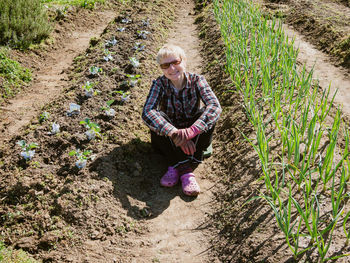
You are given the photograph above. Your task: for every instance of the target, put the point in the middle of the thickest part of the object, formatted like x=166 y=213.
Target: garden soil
x=114 y=210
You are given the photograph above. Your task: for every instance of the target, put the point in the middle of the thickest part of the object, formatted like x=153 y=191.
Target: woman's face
x=173 y=67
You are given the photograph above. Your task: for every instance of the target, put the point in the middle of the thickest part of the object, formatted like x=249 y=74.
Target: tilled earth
x=325 y=23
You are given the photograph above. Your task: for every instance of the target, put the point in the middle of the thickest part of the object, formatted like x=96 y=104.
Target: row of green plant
x=287 y=110
x=89 y=88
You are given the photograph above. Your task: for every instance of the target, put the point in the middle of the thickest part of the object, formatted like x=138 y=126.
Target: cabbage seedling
x=134 y=62
x=27 y=152
x=107 y=56
x=94 y=70
x=55 y=128
x=110 y=43
x=145 y=22
x=124 y=96
x=74 y=109
x=139 y=46
x=93 y=129
x=133 y=79
x=44 y=116
x=121 y=29
x=142 y=34
x=126 y=20
x=82 y=157
x=88 y=88
x=108 y=110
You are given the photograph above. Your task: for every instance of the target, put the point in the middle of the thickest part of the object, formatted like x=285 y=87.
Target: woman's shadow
x=135 y=170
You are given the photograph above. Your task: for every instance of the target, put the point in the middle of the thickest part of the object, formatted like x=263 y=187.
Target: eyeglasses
x=167 y=65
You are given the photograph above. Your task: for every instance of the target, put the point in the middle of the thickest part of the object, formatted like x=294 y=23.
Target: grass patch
x=14 y=256
x=89 y=4
x=12 y=75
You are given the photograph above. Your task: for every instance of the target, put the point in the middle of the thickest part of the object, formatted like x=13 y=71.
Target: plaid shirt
x=180 y=105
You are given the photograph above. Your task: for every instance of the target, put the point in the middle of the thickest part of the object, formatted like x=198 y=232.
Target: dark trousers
x=174 y=155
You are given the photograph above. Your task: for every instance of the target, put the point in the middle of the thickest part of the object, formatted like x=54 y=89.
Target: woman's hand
x=189 y=133
x=178 y=139
x=189 y=147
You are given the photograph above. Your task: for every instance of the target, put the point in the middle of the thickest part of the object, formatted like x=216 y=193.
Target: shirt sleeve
x=212 y=109
x=151 y=115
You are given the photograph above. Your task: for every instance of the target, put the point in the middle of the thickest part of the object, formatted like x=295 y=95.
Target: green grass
x=14 y=256
x=89 y=4
x=12 y=75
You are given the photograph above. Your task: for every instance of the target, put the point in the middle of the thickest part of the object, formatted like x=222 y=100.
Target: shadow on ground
x=135 y=170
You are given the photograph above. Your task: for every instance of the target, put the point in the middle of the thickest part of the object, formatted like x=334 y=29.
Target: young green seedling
x=112 y=42
x=55 y=128
x=142 y=34
x=27 y=152
x=146 y=23
x=126 y=20
x=89 y=90
x=108 y=55
x=93 y=129
x=139 y=46
x=108 y=110
x=134 y=62
x=124 y=96
x=44 y=116
x=82 y=157
x=133 y=80
x=94 y=70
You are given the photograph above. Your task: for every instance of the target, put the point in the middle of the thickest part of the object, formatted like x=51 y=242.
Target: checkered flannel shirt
x=180 y=105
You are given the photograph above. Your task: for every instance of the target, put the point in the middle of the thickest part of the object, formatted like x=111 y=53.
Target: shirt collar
x=187 y=83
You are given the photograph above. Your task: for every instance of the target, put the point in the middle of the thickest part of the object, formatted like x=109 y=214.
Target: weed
x=12 y=75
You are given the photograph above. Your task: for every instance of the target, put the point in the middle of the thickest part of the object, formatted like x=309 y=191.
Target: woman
x=180 y=129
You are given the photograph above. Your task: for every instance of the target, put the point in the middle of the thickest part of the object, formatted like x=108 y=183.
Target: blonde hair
x=168 y=50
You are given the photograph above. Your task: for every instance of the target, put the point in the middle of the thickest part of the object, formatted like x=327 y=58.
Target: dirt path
x=176 y=234
x=50 y=75
x=324 y=71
